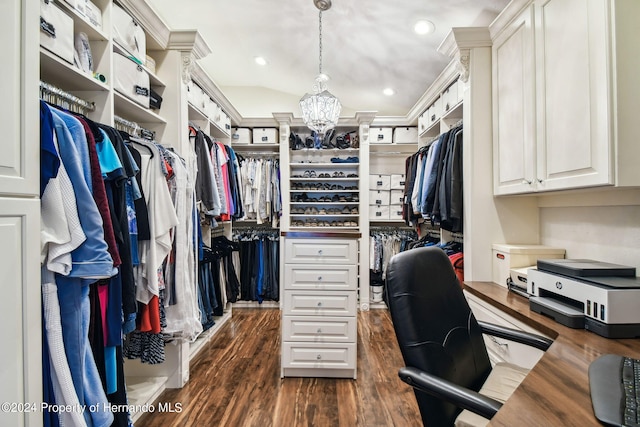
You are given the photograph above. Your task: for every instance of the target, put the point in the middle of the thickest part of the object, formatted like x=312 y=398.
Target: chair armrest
x=459 y=396
x=516 y=335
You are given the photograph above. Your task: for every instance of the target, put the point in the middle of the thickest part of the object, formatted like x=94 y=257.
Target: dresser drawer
x=502 y=350
x=318 y=356
x=321 y=251
x=318 y=303
x=319 y=330
x=315 y=277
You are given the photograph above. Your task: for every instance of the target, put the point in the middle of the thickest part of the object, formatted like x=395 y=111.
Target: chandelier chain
x=320 y=50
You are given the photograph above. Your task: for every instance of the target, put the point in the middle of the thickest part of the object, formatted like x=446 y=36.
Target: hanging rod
x=256 y=153
x=57 y=96
x=389 y=153
x=133 y=128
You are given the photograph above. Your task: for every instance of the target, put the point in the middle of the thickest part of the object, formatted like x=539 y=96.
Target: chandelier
x=320 y=110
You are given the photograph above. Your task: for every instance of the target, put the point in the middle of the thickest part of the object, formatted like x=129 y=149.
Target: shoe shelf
x=324 y=189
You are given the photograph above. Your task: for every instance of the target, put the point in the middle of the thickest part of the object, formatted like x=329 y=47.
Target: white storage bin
x=130 y=79
x=406 y=135
x=378 y=212
x=397 y=197
x=422 y=122
x=240 y=136
x=56 y=31
x=380 y=182
x=505 y=257
x=265 y=136
x=450 y=97
x=129 y=34
x=436 y=111
x=78 y=5
x=380 y=135
x=379 y=197
x=226 y=122
x=93 y=14
x=395 y=212
x=397 y=181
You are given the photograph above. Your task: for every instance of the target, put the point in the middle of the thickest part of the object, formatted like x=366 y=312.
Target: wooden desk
x=556 y=391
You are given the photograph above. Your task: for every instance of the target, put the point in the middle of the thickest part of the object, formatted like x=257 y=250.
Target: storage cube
x=396 y=197
x=56 y=31
x=395 y=212
x=380 y=182
x=450 y=97
x=397 y=181
x=129 y=34
x=379 y=197
x=93 y=14
x=131 y=80
x=436 y=111
x=406 y=135
x=380 y=135
x=240 y=136
x=265 y=136
x=378 y=212
x=422 y=122
x=505 y=257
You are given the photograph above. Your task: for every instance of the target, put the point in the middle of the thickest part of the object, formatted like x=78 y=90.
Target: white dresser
x=320 y=284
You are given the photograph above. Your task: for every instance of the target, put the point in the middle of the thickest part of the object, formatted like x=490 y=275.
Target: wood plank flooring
x=235 y=381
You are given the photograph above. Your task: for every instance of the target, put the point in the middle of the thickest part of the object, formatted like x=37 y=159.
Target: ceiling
x=367 y=47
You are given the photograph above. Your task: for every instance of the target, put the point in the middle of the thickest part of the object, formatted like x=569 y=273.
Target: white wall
x=603 y=233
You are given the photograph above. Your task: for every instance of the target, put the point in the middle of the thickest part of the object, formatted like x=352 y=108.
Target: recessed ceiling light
x=260 y=60
x=424 y=27
x=389 y=92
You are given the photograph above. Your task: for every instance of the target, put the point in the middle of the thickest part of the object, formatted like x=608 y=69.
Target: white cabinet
x=319 y=329
x=501 y=350
x=563 y=91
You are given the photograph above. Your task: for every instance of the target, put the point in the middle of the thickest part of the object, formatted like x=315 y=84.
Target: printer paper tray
x=561 y=313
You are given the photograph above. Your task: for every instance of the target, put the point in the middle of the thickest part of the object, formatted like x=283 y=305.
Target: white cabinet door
x=19 y=145
x=574 y=136
x=514 y=106
x=20 y=358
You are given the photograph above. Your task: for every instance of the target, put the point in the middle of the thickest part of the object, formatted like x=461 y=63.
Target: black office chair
x=442 y=344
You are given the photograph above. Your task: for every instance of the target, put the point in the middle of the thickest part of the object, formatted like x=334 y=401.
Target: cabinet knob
x=319 y=278
x=320 y=304
x=319 y=251
x=526 y=181
x=319 y=330
x=539 y=181
x=318 y=357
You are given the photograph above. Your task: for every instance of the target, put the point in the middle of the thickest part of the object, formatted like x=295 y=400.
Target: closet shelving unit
x=175 y=53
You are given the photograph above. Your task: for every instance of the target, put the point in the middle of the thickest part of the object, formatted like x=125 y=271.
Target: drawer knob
x=319 y=251
x=319 y=330
x=319 y=278
x=320 y=304
x=318 y=357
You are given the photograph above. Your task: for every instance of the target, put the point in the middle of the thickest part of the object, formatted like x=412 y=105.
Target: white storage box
x=380 y=182
x=505 y=257
x=380 y=135
x=78 y=5
x=397 y=181
x=422 y=122
x=129 y=34
x=265 y=136
x=56 y=31
x=379 y=197
x=407 y=135
x=450 y=97
x=395 y=212
x=378 y=212
x=435 y=111
x=93 y=14
x=130 y=79
x=240 y=136
x=397 y=197
x=151 y=64
x=226 y=121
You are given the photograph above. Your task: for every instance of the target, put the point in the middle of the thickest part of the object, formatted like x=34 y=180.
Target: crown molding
x=502 y=21
x=189 y=40
x=209 y=87
x=283 y=118
x=444 y=79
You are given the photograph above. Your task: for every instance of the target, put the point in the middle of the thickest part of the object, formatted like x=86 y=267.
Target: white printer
x=579 y=293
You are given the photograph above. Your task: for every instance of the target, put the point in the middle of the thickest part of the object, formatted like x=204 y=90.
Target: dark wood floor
x=235 y=381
